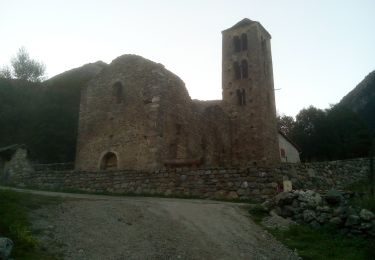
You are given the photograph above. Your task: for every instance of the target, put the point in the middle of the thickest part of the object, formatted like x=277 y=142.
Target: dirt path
x=106 y=227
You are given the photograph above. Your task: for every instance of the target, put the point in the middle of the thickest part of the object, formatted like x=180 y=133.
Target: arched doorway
x=109 y=162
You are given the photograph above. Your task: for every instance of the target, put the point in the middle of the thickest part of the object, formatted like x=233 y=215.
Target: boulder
x=267 y=205
x=324 y=209
x=284 y=198
x=232 y=195
x=309 y=215
x=295 y=204
x=6 y=246
x=333 y=197
x=288 y=211
x=365 y=226
x=310 y=198
x=339 y=212
x=323 y=218
x=335 y=221
x=366 y=215
x=352 y=220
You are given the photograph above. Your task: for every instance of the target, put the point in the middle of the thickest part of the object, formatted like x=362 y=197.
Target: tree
x=25 y=68
x=5 y=72
x=285 y=124
x=332 y=134
x=349 y=137
x=309 y=131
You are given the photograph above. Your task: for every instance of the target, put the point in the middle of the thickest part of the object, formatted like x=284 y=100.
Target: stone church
x=135 y=114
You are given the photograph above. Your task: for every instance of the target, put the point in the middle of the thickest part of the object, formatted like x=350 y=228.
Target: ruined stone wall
x=19 y=164
x=151 y=123
x=219 y=183
x=248 y=93
x=138 y=123
x=215 y=133
x=137 y=115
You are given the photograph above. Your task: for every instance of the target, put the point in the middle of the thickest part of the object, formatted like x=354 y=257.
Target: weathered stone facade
x=220 y=183
x=248 y=93
x=137 y=115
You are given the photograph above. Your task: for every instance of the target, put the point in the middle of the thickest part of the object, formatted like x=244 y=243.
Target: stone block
x=232 y=195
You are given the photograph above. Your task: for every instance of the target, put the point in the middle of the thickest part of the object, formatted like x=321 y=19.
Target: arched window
x=244 y=68
x=244 y=41
x=118 y=92
x=237 y=70
x=236 y=44
x=109 y=162
x=241 y=97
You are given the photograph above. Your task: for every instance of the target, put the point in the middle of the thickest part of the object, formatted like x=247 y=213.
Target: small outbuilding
x=289 y=151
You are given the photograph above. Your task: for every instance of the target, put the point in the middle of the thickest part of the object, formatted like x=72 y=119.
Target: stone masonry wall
x=248 y=94
x=250 y=183
x=135 y=114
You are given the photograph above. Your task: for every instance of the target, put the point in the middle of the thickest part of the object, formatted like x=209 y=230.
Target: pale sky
x=321 y=49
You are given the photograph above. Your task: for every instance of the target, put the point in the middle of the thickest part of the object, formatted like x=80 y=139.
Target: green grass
x=325 y=243
x=322 y=243
x=15 y=225
x=366 y=201
x=257 y=213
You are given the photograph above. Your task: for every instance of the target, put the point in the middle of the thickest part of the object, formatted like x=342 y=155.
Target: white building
x=289 y=152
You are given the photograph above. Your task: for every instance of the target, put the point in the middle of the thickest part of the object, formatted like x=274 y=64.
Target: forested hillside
x=361 y=100
x=341 y=132
x=44 y=116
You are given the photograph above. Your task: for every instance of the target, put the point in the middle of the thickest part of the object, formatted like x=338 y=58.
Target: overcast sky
x=321 y=49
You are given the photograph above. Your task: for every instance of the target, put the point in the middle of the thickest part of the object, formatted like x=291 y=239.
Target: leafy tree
x=5 y=72
x=27 y=69
x=332 y=134
x=24 y=68
x=285 y=124
x=308 y=130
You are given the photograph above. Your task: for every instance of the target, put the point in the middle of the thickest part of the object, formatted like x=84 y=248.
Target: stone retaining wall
x=250 y=183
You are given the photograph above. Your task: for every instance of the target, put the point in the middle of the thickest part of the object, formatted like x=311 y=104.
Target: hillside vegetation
x=342 y=131
x=44 y=116
x=361 y=100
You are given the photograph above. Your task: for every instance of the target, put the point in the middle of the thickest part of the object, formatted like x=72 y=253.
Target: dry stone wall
x=219 y=183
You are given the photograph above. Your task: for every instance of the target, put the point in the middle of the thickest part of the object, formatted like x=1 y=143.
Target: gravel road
x=105 y=227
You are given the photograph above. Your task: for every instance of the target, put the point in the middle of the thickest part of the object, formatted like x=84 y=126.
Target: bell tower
x=248 y=93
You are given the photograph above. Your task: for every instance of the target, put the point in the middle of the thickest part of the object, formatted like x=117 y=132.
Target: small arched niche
x=237 y=44
x=244 y=41
x=109 y=162
x=118 y=92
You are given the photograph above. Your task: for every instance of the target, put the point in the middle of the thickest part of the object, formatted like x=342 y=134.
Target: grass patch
x=14 y=223
x=365 y=201
x=324 y=243
x=257 y=213
x=321 y=243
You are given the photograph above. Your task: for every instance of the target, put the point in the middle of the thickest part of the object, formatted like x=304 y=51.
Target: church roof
x=246 y=22
x=290 y=141
x=243 y=22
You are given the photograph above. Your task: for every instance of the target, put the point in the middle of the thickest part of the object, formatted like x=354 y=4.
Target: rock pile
x=332 y=209
x=6 y=246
